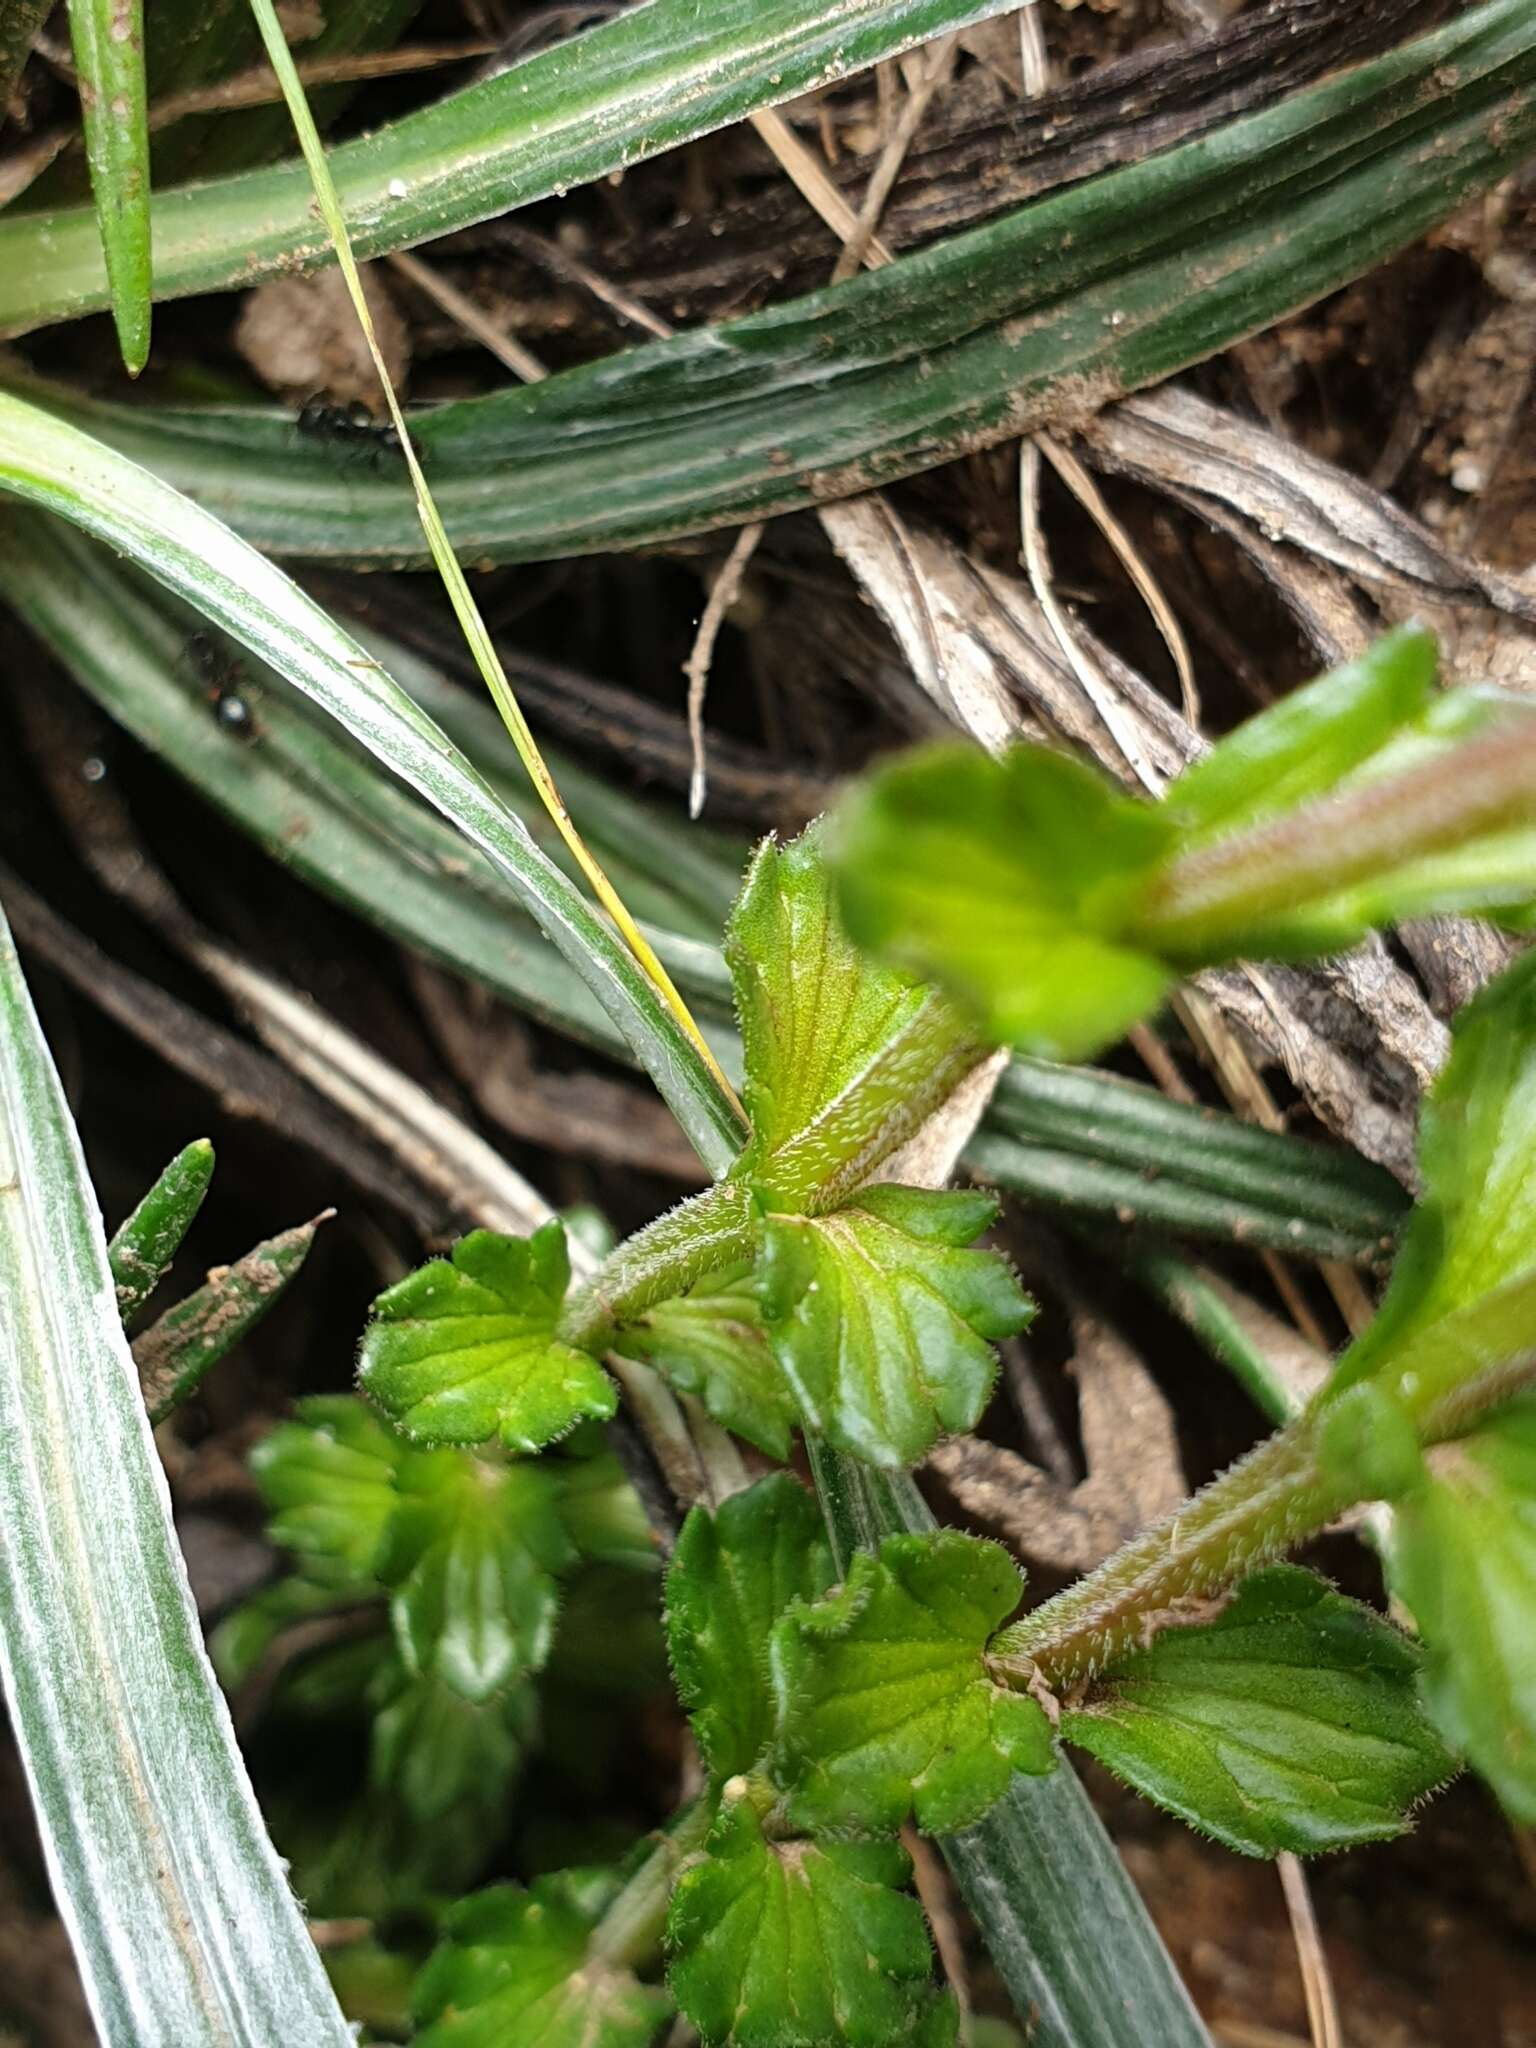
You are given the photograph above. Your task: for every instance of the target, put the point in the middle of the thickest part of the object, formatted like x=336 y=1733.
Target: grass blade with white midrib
x=181 y=1917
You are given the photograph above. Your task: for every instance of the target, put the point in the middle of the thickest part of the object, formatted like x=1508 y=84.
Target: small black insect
x=224 y=683
x=350 y=427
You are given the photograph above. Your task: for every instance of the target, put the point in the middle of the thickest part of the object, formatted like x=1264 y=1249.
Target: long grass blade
x=182 y=1921
x=44 y=460
x=446 y=562
x=108 y=38
x=654 y=76
x=1039 y=317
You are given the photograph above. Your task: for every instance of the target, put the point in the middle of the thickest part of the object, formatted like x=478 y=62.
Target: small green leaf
x=146 y=1242
x=710 y=1342
x=1058 y=909
x=880 y=1318
x=464 y=1350
x=436 y=1751
x=176 y=1353
x=471 y=1552
x=1311 y=739
x=733 y=1575
x=1013 y=883
x=1464 y=1561
x=248 y=1631
x=815 y=1013
x=845 y=1059
x=515 y=1971
x=1472 y=1234
x=601 y=1511
x=329 y=1478
x=888 y=1708
x=1292 y=1721
x=797 y=1944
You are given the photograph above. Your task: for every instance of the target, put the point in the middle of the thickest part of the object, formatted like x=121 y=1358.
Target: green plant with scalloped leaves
x=812 y=1289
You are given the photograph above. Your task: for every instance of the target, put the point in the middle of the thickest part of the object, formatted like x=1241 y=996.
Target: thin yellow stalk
x=447 y=563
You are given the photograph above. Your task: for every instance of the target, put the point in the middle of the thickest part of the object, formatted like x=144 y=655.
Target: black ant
x=224 y=683
x=349 y=427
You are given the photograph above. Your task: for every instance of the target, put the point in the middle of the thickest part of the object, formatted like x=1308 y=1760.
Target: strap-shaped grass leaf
x=880 y=1318
x=655 y=77
x=182 y=1921
x=710 y=1342
x=227 y=581
x=1114 y=283
x=1292 y=1721
x=888 y=1708
x=146 y=1241
x=733 y=1574
x=1473 y=1231
x=471 y=1553
x=797 y=1944
x=514 y=1970
x=1464 y=1561
x=464 y=1348
x=1014 y=883
x=328 y=1477
x=108 y=41
x=176 y=1353
x=818 y=1018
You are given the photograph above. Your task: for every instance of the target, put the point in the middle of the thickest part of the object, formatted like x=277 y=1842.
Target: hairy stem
x=629 y=1935
x=709 y=1230
x=1210 y=899
x=1264 y=1505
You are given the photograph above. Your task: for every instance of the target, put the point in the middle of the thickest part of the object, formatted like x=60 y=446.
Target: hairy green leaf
x=814 y=1013
x=515 y=1971
x=733 y=1574
x=248 y=1631
x=465 y=1349
x=1058 y=909
x=710 y=1342
x=442 y=1755
x=144 y=1244
x=1464 y=1561
x=880 y=1319
x=1292 y=1721
x=1308 y=742
x=601 y=1512
x=1472 y=1236
x=888 y=1708
x=1066 y=1928
x=328 y=1477
x=1014 y=882
x=844 y=1060
x=176 y=1353
x=797 y=1944
x=471 y=1553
